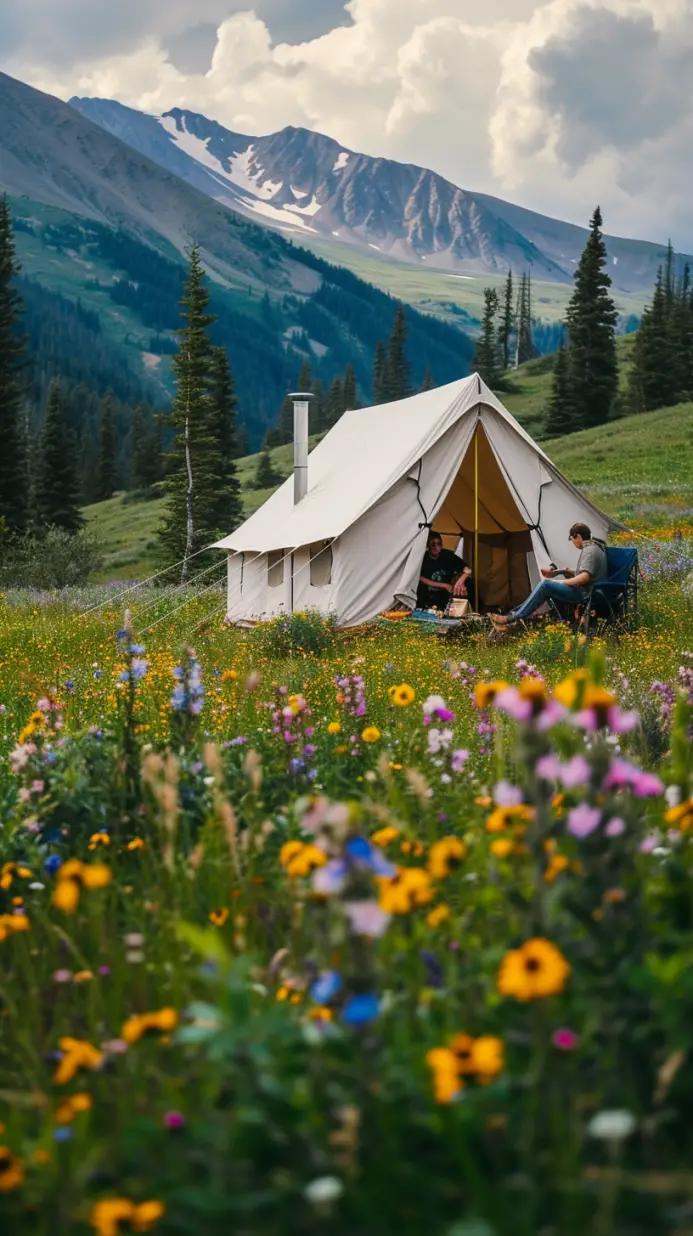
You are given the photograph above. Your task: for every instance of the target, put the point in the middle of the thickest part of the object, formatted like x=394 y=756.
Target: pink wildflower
x=583 y=820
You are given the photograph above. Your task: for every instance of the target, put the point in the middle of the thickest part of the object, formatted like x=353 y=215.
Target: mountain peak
x=306 y=184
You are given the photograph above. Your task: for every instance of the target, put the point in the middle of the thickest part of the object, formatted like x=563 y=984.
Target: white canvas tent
x=452 y=458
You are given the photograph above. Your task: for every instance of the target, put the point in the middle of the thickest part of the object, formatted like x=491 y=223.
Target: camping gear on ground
x=459 y=607
x=451 y=458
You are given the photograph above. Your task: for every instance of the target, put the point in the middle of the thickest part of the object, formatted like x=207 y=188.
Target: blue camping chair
x=614 y=599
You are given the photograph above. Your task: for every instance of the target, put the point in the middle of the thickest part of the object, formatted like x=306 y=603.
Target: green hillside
x=457 y=297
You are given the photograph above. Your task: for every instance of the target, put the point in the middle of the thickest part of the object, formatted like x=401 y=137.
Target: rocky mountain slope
x=104 y=222
x=306 y=184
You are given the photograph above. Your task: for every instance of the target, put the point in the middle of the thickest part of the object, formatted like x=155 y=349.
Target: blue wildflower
x=53 y=864
x=361 y=852
x=137 y=649
x=326 y=987
x=124 y=676
x=359 y=1010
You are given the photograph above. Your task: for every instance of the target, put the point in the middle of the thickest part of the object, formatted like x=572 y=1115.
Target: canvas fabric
x=377 y=483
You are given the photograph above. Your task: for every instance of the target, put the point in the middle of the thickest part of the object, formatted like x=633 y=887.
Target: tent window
x=321 y=564
x=275 y=568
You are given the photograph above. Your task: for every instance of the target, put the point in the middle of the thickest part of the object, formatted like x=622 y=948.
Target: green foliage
x=526 y=350
x=265 y=476
x=226 y=511
x=559 y=415
x=379 y=372
x=306 y=632
x=200 y=480
x=507 y=326
x=55 y=558
x=662 y=374
x=591 y=320
x=146 y=467
x=106 y=465
x=398 y=370
x=487 y=356
x=13 y=464
x=57 y=488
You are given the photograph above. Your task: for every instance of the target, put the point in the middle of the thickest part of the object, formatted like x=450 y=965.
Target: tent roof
x=359 y=461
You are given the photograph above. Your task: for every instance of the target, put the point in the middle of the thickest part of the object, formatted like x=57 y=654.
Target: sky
x=557 y=105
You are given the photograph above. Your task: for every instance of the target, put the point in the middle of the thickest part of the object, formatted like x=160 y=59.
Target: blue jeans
x=549 y=589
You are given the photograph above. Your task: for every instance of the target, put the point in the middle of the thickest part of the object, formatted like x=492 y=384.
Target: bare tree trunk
x=190 y=531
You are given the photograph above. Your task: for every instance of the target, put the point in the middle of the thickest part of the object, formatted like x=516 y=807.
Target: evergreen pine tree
x=225 y=509
x=334 y=406
x=559 y=417
x=305 y=379
x=652 y=381
x=349 y=389
x=145 y=469
x=285 y=422
x=486 y=360
x=591 y=322
x=87 y=475
x=14 y=487
x=191 y=471
x=265 y=476
x=508 y=322
x=397 y=373
x=57 y=490
x=317 y=408
x=428 y=384
x=525 y=343
x=107 y=463
x=379 y=373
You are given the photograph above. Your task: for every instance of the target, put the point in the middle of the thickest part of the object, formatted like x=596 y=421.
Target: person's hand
x=547 y=573
x=460 y=589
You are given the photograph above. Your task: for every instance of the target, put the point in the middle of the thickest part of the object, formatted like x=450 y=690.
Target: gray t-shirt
x=593 y=560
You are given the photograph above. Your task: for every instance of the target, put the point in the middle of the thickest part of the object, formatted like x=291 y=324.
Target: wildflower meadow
x=360 y=932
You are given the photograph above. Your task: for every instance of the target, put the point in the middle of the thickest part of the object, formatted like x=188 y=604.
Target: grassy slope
x=436 y=291
x=639 y=468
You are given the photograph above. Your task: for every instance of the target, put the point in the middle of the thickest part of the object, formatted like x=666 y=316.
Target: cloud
x=556 y=104
x=65 y=33
x=590 y=105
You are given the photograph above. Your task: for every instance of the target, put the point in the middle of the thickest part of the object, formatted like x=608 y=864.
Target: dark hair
x=435 y=536
x=581 y=530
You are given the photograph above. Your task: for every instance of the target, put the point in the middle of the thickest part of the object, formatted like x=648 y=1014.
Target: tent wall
x=380 y=556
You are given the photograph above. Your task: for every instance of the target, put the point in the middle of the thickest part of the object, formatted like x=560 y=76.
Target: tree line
x=585 y=383
x=506 y=337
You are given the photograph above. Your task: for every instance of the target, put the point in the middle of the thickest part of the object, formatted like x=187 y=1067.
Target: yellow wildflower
x=534 y=970
x=371 y=733
x=444 y=855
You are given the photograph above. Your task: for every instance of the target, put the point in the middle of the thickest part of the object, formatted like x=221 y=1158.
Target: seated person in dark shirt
x=443 y=575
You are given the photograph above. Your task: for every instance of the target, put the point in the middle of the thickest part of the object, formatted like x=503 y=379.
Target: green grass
x=446 y=295
x=127 y=532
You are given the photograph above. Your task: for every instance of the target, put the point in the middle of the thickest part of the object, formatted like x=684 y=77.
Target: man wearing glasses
x=443 y=575
x=591 y=567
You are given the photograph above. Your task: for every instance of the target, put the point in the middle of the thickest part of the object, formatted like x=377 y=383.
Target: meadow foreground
x=362 y=933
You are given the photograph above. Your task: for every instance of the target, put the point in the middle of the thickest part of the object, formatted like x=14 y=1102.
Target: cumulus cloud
x=557 y=104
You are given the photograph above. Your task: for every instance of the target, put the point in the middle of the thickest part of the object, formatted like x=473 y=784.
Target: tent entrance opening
x=481 y=510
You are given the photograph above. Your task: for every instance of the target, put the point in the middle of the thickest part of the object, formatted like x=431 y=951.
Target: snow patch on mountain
x=311 y=209
x=342 y=161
